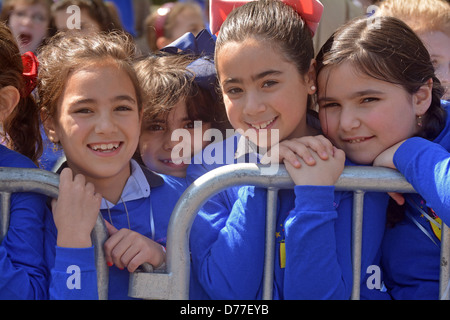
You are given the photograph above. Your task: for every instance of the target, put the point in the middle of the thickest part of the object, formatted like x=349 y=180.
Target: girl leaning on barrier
x=24 y=274
x=265 y=64
x=379 y=101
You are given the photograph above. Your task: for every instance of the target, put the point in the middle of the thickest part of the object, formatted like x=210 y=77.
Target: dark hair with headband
x=21 y=128
x=274 y=22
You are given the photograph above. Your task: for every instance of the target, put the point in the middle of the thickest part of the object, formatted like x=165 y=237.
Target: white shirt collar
x=137 y=186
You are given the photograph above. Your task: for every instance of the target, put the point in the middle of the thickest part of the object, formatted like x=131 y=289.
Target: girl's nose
x=349 y=120
x=254 y=104
x=106 y=123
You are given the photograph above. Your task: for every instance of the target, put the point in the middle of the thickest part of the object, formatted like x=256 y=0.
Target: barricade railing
x=14 y=180
x=174 y=282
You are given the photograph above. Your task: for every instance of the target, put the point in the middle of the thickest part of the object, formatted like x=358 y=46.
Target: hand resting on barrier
x=126 y=248
x=290 y=150
x=323 y=173
x=75 y=211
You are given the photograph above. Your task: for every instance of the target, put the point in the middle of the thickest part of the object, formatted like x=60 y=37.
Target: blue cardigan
x=313 y=242
x=410 y=258
x=141 y=191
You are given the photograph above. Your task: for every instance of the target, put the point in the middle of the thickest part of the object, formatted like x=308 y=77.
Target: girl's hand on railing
x=291 y=150
x=323 y=173
x=75 y=211
x=126 y=248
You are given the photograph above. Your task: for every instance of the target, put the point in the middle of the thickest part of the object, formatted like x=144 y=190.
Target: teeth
x=356 y=140
x=105 y=147
x=262 y=125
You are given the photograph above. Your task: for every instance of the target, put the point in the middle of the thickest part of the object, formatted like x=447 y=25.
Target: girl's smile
x=259 y=91
x=98 y=121
x=364 y=116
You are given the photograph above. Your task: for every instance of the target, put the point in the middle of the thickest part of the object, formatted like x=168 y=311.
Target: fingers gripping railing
x=174 y=283
x=40 y=181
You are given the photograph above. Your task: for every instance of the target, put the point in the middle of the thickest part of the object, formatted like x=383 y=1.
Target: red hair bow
x=30 y=71
x=309 y=10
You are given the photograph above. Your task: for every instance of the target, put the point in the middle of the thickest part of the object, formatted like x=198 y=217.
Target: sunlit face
x=87 y=24
x=98 y=122
x=438 y=45
x=171 y=155
x=29 y=25
x=263 y=92
x=364 y=116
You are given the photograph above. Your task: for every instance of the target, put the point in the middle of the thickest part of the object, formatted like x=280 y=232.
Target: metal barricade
x=174 y=283
x=41 y=181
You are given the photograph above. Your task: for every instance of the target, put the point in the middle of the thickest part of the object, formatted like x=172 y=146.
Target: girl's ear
x=49 y=126
x=422 y=98
x=310 y=77
x=9 y=98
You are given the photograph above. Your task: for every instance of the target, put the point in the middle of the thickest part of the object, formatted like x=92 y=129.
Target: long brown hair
x=389 y=51
x=21 y=128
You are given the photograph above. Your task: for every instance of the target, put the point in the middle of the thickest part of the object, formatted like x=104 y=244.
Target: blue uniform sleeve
x=318 y=242
x=74 y=276
x=23 y=272
x=227 y=244
x=426 y=165
x=316 y=268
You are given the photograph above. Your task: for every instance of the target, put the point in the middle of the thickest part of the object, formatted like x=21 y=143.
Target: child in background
x=91 y=103
x=171 y=21
x=30 y=22
x=181 y=90
x=376 y=89
x=24 y=274
x=264 y=60
x=95 y=16
x=430 y=20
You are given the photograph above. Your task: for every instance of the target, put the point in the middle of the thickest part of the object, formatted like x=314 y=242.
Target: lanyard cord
x=152 y=220
x=437 y=224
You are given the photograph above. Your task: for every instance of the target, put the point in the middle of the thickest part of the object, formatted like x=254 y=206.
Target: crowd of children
x=128 y=126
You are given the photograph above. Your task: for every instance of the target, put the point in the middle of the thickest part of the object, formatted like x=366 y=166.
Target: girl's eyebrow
x=124 y=98
x=352 y=96
x=115 y=99
x=253 y=77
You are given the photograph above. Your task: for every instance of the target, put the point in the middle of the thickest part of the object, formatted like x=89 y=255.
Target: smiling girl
x=91 y=105
x=380 y=102
x=182 y=98
x=264 y=61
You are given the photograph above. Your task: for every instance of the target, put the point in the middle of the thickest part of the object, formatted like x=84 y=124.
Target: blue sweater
x=410 y=258
x=141 y=191
x=313 y=242
x=23 y=272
